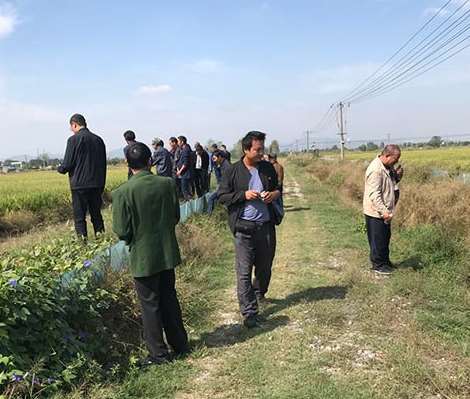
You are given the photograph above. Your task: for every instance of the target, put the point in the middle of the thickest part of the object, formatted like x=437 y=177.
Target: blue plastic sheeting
x=117 y=256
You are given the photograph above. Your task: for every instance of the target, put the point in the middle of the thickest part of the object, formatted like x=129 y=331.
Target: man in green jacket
x=145 y=213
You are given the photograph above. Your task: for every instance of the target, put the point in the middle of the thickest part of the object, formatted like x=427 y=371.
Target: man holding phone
x=248 y=190
x=379 y=206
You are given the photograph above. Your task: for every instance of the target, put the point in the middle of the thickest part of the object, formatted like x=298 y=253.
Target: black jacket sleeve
x=68 y=163
x=227 y=193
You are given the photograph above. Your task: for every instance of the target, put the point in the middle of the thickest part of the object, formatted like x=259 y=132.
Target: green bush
x=54 y=325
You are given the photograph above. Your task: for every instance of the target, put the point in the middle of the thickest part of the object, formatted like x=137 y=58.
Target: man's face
x=256 y=152
x=173 y=144
x=391 y=159
x=180 y=143
x=217 y=160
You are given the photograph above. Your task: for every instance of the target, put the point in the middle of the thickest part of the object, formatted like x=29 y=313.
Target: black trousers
x=186 y=189
x=378 y=234
x=161 y=312
x=199 y=182
x=87 y=200
x=254 y=249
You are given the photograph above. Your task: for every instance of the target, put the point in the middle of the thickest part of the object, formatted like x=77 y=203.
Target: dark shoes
x=384 y=270
x=250 y=321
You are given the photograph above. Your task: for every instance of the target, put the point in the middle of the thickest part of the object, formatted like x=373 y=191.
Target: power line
x=435 y=63
x=423 y=59
x=412 y=55
x=398 y=51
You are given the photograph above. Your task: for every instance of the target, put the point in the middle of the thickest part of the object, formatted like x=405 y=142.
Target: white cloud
x=154 y=89
x=8 y=20
x=205 y=66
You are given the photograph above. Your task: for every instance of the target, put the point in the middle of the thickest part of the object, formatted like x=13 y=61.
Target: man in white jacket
x=379 y=207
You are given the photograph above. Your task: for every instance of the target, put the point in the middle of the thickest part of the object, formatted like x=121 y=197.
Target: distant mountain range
x=117 y=153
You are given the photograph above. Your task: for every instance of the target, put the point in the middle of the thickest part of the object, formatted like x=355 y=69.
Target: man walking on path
x=85 y=163
x=184 y=168
x=379 y=207
x=161 y=159
x=129 y=136
x=145 y=213
x=248 y=189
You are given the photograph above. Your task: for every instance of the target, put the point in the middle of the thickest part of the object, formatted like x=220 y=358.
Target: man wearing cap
x=162 y=159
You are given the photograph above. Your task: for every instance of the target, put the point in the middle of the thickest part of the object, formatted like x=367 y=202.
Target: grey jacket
x=379 y=190
x=162 y=160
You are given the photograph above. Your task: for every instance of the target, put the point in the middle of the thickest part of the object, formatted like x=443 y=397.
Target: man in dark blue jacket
x=184 y=168
x=85 y=163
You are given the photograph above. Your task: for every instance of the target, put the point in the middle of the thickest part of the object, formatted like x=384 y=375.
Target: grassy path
x=332 y=329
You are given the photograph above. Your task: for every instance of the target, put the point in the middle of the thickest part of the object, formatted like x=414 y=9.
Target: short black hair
x=78 y=119
x=247 y=141
x=183 y=139
x=173 y=140
x=129 y=135
x=138 y=156
x=218 y=153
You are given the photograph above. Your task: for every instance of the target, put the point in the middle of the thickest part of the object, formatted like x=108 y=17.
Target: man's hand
x=400 y=172
x=269 y=196
x=387 y=216
x=251 y=195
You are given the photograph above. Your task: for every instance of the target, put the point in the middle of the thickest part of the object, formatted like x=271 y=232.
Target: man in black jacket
x=85 y=162
x=201 y=171
x=184 y=168
x=129 y=136
x=248 y=189
x=162 y=159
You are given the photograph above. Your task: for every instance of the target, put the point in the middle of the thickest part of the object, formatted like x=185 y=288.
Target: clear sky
x=212 y=69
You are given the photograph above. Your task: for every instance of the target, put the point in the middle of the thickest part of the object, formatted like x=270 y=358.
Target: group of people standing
x=146 y=210
x=191 y=169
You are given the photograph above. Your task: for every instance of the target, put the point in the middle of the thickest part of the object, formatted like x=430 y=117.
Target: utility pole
x=308 y=140
x=342 y=132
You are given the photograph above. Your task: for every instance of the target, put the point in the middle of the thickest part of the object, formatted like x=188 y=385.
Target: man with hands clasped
x=248 y=190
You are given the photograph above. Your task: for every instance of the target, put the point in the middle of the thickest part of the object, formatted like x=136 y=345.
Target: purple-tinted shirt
x=256 y=210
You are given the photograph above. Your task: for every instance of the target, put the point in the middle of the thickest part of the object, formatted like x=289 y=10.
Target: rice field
x=453 y=159
x=36 y=191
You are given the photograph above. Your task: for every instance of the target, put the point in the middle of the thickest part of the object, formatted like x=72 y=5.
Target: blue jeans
x=211 y=202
